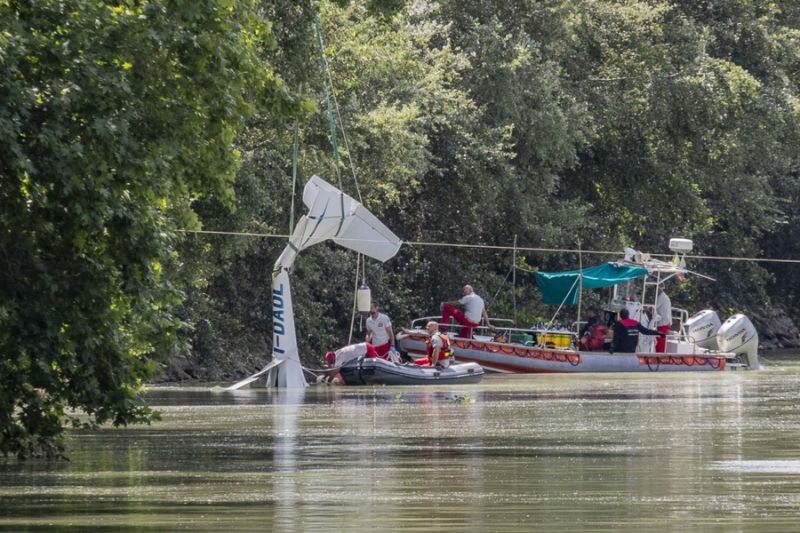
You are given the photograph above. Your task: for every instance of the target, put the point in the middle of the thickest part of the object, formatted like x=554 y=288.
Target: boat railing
x=690 y=341
x=682 y=316
x=419 y=323
x=503 y=330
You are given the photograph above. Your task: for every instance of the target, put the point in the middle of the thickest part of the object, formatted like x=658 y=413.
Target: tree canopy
x=605 y=123
x=116 y=117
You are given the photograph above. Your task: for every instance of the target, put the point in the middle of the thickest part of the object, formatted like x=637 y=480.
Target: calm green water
x=680 y=452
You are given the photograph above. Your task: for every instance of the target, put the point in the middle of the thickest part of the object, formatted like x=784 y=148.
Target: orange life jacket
x=445 y=351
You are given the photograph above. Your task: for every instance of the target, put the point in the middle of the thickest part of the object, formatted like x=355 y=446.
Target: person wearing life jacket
x=626 y=333
x=438 y=348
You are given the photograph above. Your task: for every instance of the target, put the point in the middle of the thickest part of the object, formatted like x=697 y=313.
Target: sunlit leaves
x=116 y=118
x=473 y=121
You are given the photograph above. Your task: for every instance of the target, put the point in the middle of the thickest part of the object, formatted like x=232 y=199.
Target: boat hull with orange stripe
x=516 y=358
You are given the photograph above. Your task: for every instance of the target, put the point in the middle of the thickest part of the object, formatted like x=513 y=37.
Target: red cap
x=330 y=357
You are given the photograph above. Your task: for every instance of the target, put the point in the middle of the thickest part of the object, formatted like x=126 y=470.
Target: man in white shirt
x=664 y=318
x=473 y=310
x=379 y=330
x=341 y=357
x=346 y=354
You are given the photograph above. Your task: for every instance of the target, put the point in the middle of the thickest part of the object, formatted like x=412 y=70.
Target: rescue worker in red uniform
x=626 y=333
x=590 y=331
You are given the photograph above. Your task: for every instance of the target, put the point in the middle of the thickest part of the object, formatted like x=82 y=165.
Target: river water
x=616 y=452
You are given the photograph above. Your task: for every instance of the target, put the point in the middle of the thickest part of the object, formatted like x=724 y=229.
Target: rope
x=314 y=371
x=552 y=320
x=328 y=89
x=344 y=138
x=497 y=247
x=355 y=303
x=331 y=122
x=295 y=148
x=505 y=280
x=331 y=94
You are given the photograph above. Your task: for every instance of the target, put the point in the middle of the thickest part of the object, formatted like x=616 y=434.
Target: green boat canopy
x=560 y=287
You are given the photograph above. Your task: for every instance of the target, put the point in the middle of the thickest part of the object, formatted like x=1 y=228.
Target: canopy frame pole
x=580 y=289
x=514 y=278
x=552 y=320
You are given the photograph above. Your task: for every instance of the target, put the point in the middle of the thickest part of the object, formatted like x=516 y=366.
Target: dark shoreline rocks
x=776 y=330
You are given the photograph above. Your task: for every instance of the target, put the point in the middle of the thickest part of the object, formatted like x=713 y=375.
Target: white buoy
x=363 y=298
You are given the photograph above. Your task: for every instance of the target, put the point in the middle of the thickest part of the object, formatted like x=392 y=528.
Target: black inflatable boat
x=365 y=371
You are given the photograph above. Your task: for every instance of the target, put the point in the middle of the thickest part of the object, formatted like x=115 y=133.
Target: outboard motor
x=738 y=335
x=702 y=328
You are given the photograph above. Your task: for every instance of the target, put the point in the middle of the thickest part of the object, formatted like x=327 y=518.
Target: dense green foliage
x=557 y=122
x=606 y=123
x=115 y=118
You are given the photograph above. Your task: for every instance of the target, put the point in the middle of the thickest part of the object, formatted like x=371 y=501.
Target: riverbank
x=183 y=370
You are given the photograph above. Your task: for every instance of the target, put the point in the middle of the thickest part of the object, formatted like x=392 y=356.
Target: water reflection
x=287 y=404
x=514 y=453
x=764 y=466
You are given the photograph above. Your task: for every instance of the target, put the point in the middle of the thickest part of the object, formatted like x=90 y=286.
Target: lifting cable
x=332 y=105
x=295 y=149
x=329 y=106
x=504 y=248
x=359 y=259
